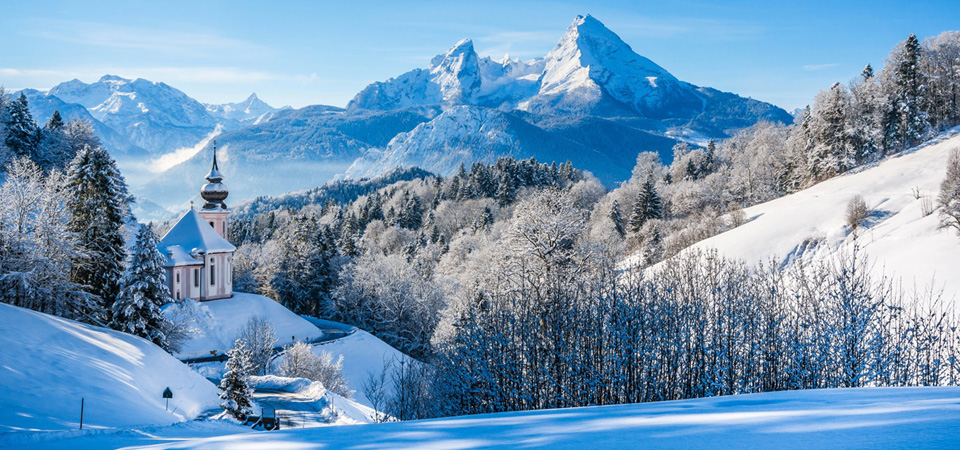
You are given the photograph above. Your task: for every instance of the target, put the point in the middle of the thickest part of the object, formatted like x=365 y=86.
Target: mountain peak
x=112 y=78
x=460 y=51
x=252 y=98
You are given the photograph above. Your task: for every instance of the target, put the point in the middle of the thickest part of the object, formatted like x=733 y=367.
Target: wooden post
x=81 y=413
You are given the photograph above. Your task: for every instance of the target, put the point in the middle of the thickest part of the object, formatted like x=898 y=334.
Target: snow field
x=916 y=417
x=47 y=364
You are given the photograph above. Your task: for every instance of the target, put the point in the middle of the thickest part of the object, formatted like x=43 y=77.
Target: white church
x=199 y=259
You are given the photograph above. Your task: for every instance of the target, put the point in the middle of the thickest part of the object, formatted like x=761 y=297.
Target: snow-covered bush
x=300 y=361
x=949 y=199
x=857 y=212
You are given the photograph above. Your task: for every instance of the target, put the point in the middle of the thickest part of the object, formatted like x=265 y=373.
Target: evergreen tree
x=96 y=201
x=907 y=121
x=648 y=206
x=236 y=391
x=833 y=151
x=484 y=220
x=616 y=216
x=55 y=122
x=506 y=191
x=143 y=291
x=22 y=132
x=867 y=72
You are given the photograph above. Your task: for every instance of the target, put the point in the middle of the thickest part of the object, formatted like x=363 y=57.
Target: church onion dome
x=214 y=192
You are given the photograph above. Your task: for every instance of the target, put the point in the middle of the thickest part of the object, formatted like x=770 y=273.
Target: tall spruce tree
x=907 y=120
x=143 y=291
x=616 y=216
x=236 y=391
x=22 y=132
x=97 y=203
x=648 y=206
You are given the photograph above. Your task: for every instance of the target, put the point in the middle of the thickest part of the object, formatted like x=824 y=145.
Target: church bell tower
x=214 y=211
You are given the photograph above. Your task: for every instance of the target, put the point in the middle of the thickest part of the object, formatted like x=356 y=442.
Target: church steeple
x=214 y=192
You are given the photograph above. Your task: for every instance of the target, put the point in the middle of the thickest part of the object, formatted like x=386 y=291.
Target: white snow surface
x=47 y=364
x=363 y=354
x=218 y=322
x=916 y=417
x=897 y=238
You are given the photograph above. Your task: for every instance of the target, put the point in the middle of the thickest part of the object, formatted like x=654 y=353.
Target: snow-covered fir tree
x=907 y=119
x=22 y=134
x=96 y=198
x=616 y=216
x=648 y=206
x=143 y=291
x=234 y=386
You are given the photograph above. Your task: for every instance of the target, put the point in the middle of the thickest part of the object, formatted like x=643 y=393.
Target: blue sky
x=302 y=53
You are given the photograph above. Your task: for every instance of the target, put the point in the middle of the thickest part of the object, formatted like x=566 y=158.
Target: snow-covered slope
x=897 y=237
x=868 y=418
x=363 y=354
x=219 y=322
x=47 y=364
x=468 y=134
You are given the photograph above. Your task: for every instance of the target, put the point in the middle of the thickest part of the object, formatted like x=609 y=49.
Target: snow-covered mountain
x=551 y=107
x=457 y=77
x=295 y=150
x=250 y=111
x=466 y=134
x=590 y=71
x=42 y=106
x=152 y=115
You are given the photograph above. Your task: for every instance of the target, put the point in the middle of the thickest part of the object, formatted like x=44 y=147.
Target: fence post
x=81 y=413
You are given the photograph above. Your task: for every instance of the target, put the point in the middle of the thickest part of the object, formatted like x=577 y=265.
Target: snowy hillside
x=897 y=236
x=868 y=418
x=47 y=364
x=363 y=354
x=219 y=322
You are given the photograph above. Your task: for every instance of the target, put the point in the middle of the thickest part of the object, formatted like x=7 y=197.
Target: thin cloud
x=172 y=41
x=674 y=27
x=813 y=67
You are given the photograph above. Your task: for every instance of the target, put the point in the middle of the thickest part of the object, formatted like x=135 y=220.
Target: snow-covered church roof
x=189 y=236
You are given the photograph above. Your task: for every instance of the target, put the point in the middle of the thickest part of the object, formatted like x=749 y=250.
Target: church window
x=196 y=277
x=211 y=273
